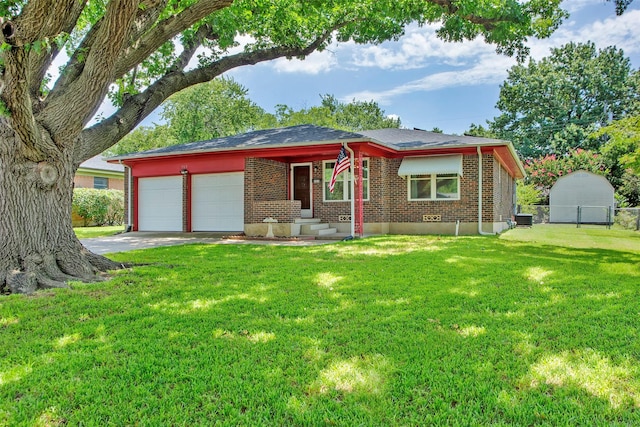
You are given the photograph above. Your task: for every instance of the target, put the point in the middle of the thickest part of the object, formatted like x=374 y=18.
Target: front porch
x=289 y=223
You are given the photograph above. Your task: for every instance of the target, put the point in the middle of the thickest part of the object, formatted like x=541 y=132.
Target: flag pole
x=353 y=188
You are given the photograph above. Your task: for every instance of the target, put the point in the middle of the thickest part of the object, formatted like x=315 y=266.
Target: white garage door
x=217 y=202
x=160 y=204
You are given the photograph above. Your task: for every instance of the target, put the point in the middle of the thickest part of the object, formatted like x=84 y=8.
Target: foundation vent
x=344 y=218
x=431 y=218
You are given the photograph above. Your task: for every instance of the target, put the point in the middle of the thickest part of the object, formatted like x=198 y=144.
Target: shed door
x=160 y=204
x=217 y=202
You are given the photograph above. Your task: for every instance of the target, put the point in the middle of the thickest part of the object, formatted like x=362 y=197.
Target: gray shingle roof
x=96 y=163
x=407 y=139
x=294 y=135
x=398 y=139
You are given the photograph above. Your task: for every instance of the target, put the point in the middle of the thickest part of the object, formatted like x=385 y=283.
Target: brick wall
x=503 y=188
x=116 y=184
x=264 y=180
x=86 y=181
x=83 y=181
x=465 y=209
x=285 y=211
x=268 y=180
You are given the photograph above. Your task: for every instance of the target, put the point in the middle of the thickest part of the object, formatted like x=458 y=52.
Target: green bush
x=627 y=218
x=99 y=207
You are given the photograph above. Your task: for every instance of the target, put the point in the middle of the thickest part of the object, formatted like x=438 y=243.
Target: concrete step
x=312 y=229
x=306 y=221
x=327 y=231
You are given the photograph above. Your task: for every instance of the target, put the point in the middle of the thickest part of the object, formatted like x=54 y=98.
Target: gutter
x=129 y=177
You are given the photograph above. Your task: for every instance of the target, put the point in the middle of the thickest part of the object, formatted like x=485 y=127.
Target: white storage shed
x=582 y=197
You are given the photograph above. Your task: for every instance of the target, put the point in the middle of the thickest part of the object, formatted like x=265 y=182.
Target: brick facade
x=504 y=194
x=267 y=183
x=86 y=181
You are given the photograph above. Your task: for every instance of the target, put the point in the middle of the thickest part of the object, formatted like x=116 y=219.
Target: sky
x=426 y=82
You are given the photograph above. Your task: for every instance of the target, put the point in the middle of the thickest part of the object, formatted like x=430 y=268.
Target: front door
x=302 y=189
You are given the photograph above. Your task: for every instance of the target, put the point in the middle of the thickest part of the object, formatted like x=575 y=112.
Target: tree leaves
x=552 y=105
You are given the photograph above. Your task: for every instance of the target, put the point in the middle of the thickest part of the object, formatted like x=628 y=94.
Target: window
x=342 y=189
x=100 y=183
x=434 y=187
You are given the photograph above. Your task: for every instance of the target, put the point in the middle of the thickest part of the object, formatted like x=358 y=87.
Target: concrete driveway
x=144 y=240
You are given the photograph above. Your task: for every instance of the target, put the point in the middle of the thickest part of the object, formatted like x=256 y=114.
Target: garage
x=160 y=204
x=217 y=202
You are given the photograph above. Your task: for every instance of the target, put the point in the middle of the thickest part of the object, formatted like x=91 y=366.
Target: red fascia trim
x=174 y=165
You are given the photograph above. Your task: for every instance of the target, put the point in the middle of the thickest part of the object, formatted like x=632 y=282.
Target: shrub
x=528 y=194
x=99 y=207
x=627 y=218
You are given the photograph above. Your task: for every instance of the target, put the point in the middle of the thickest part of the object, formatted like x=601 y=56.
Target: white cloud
x=620 y=31
x=573 y=6
x=475 y=62
x=488 y=70
x=419 y=48
x=316 y=63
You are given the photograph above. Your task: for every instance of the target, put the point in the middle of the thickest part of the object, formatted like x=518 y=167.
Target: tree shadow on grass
x=468 y=330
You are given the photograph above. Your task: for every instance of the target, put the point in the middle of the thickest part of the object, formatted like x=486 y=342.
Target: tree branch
x=41 y=61
x=451 y=9
x=41 y=19
x=147 y=13
x=103 y=135
x=166 y=30
x=83 y=96
x=17 y=99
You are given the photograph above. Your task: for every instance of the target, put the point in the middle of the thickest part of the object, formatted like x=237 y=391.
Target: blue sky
x=426 y=82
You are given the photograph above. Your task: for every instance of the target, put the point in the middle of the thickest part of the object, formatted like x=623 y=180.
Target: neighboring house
x=96 y=173
x=407 y=182
x=582 y=197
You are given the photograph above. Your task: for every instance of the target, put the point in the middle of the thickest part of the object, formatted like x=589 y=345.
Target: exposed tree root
x=47 y=271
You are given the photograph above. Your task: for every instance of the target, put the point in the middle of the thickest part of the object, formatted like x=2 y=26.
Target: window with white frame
x=434 y=186
x=342 y=189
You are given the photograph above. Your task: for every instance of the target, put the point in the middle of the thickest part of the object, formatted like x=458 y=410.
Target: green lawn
x=90 y=232
x=380 y=331
x=587 y=236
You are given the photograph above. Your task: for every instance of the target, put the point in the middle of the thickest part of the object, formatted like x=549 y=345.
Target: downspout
x=129 y=226
x=353 y=188
x=482 y=233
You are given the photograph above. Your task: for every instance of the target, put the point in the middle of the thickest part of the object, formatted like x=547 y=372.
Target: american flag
x=342 y=164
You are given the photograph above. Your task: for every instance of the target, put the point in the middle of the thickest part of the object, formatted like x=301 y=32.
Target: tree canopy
x=218 y=108
x=139 y=53
x=553 y=105
x=222 y=107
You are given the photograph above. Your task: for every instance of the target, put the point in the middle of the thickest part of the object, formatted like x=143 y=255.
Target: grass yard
x=90 y=232
x=380 y=331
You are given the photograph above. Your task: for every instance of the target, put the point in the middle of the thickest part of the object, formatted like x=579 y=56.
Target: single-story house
x=405 y=182
x=97 y=173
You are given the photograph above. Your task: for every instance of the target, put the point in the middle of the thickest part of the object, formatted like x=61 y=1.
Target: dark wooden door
x=302 y=185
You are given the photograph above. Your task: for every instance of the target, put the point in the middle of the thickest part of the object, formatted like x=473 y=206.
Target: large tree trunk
x=38 y=248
